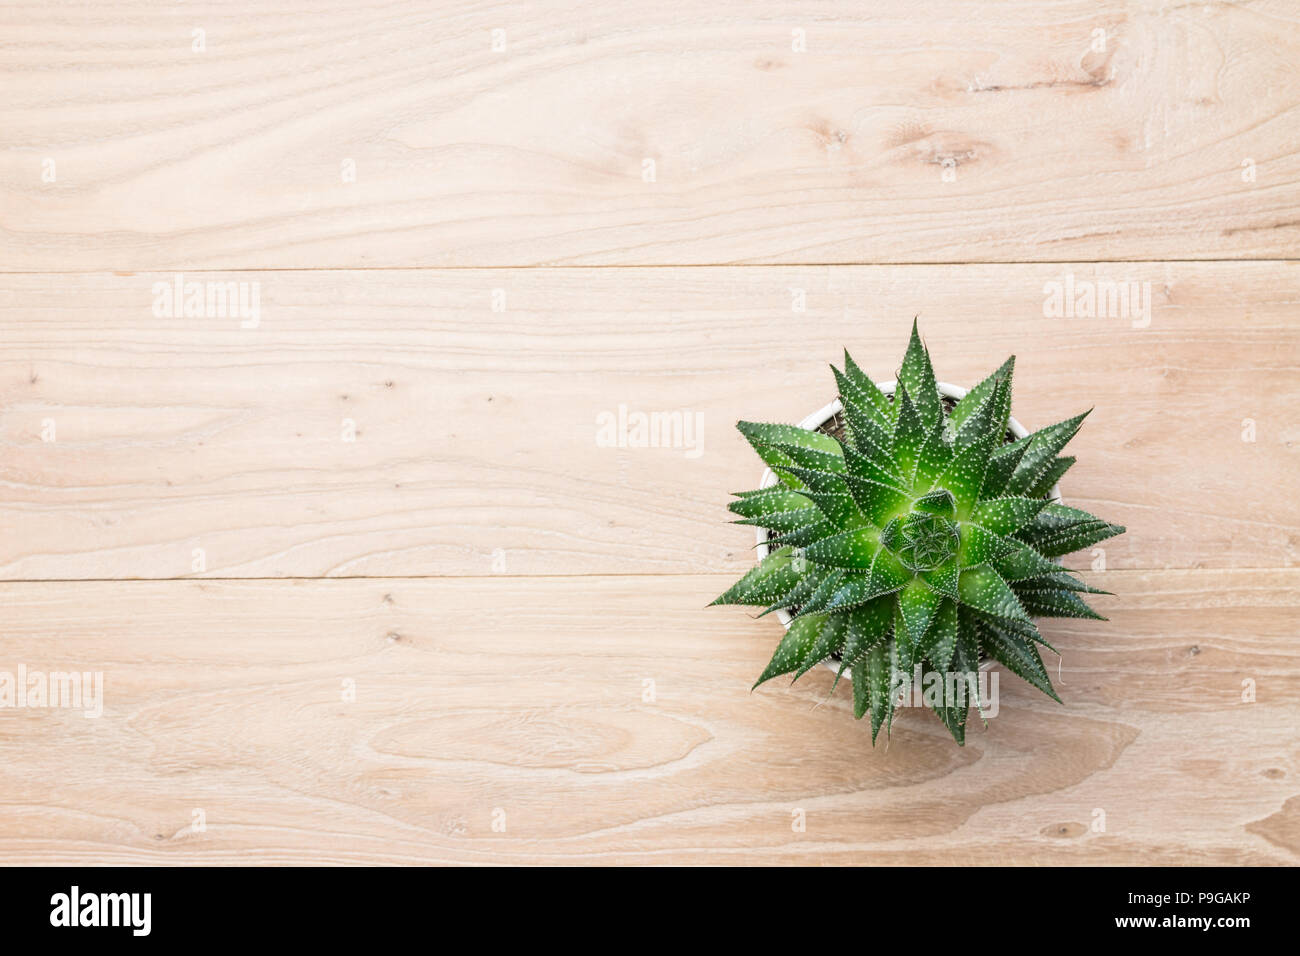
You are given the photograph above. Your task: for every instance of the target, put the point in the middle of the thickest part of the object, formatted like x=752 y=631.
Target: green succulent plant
x=924 y=537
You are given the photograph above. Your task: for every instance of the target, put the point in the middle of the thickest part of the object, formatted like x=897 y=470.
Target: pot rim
x=826 y=413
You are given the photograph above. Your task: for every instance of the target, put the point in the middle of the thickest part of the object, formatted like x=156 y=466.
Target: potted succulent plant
x=912 y=527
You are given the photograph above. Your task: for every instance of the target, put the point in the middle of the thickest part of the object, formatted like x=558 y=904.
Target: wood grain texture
x=510 y=694
x=399 y=486
x=1060 y=142
x=477 y=445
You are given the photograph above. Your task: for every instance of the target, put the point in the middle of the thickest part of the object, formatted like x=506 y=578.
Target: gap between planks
x=289 y=579
x=612 y=267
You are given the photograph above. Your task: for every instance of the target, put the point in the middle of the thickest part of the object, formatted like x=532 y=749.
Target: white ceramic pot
x=825 y=414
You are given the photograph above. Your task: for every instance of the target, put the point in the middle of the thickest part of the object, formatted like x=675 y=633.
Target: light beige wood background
x=496 y=586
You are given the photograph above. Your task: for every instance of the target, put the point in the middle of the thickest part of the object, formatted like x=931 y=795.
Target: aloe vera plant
x=924 y=538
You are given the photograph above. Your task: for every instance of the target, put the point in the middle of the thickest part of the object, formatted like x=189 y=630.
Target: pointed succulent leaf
x=782 y=521
x=1059 y=529
x=764 y=582
x=760 y=433
x=1060 y=580
x=769 y=440
x=829 y=581
x=935 y=456
x=1061 y=603
x=940 y=638
x=953 y=713
x=891 y=535
x=802 y=537
x=879 y=502
x=888 y=573
x=954 y=718
x=904 y=647
x=1018 y=656
x=917 y=376
x=881 y=408
x=800 y=589
x=869 y=438
x=964 y=476
x=918 y=605
x=1047 y=481
x=966 y=654
x=853 y=591
x=876 y=664
x=1001 y=466
x=867 y=626
x=1083 y=535
x=898 y=678
x=1055 y=516
x=981 y=546
x=1043 y=447
x=828 y=643
x=861 y=692
x=861 y=466
x=768 y=501
x=989 y=420
x=1031 y=634
x=1002 y=412
x=1007 y=515
x=839 y=509
x=809 y=458
x=984 y=590
x=858 y=589
x=909 y=434
x=828 y=493
x=1027 y=630
x=849 y=549
x=939 y=502
x=976 y=427
x=943 y=579
x=817 y=479
x=972 y=400
x=794 y=647
x=862 y=398
x=1024 y=563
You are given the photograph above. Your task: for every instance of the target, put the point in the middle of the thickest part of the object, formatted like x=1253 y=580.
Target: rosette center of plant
x=922 y=541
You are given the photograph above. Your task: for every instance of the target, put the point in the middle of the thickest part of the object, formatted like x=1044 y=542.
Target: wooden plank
x=477 y=446
x=818 y=132
x=528 y=696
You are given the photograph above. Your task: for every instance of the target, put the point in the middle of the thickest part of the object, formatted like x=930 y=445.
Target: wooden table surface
x=365 y=583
